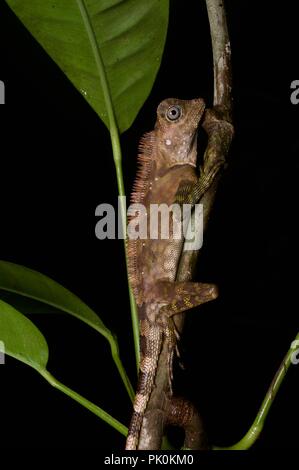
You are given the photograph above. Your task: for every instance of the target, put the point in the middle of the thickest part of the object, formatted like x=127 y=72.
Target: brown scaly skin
x=168 y=171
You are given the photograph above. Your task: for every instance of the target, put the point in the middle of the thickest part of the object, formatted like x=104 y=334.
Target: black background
x=56 y=167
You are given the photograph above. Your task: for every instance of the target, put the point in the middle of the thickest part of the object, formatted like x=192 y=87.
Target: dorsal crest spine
x=140 y=187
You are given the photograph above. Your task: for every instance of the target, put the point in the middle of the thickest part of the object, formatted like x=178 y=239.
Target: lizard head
x=176 y=130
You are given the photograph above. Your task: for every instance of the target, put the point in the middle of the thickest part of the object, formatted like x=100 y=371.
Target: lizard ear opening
x=174 y=113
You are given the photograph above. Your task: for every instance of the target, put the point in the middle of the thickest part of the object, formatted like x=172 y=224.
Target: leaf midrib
x=99 y=328
x=99 y=62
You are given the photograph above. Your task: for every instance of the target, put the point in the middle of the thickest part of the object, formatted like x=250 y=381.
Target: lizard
x=167 y=175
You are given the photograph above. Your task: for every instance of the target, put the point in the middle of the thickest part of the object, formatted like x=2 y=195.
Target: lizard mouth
x=197 y=112
x=193 y=149
x=195 y=117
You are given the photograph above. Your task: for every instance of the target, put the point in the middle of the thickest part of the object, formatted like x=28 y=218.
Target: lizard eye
x=174 y=113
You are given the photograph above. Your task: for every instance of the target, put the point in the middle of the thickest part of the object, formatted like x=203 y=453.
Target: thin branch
x=221 y=56
x=222 y=99
x=258 y=424
x=217 y=124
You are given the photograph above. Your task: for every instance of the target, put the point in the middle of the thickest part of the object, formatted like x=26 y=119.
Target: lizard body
x=167 y=171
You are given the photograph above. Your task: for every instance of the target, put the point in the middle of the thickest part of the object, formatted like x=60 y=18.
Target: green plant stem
x=86 y=403
x=257 y=426
x=116 y=358
x=117 y=155
x=116 y=148
x=111 y=339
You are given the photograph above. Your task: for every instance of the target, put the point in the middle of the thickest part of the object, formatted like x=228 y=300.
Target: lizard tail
x=151 y=342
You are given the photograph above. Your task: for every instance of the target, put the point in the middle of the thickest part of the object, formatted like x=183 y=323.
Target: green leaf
x=27 y=282
x=129 y=40
x=26 y=305
x=21 y=339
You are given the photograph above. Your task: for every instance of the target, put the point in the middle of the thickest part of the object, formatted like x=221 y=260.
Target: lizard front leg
x=178 y=297
x=220 y=134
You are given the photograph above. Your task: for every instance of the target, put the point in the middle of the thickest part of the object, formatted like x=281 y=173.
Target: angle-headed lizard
x=167 y=175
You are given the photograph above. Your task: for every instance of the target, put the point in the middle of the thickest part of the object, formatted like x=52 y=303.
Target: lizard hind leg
x=182 y=296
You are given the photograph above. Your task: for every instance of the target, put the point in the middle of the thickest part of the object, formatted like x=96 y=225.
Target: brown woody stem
x=217 y=124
